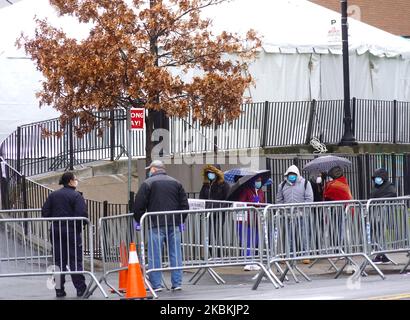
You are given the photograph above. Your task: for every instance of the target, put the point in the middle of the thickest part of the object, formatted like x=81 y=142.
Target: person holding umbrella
x=248 y=188
x=337 y=189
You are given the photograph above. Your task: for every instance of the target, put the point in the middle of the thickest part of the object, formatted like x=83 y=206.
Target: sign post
x=135 y=121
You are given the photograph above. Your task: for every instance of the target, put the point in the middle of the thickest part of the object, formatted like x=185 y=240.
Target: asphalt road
x=239 y=287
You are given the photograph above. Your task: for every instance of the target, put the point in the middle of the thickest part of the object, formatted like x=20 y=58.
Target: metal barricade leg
x=405 y=267
x=265 y=272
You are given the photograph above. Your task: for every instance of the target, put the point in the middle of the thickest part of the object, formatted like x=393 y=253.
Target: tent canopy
x=299 y=26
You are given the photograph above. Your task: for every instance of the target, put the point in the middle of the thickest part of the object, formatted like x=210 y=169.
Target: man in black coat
x=383 y=188
x=161 y=192
x=66 y=237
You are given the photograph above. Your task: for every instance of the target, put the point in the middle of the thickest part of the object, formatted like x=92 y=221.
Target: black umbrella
x=245 y=180
x=325 y=163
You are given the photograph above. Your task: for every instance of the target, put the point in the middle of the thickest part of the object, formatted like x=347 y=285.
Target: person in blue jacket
x=66 y=237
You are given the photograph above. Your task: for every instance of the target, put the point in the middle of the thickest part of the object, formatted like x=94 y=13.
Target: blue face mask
x=211 y=176
x=292 y=178
x=149 y=174
x=258 y=184
x=378 y=181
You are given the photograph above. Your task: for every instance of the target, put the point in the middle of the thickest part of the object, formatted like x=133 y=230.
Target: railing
x=358 y=175
x=269 y=124
x=19 y=192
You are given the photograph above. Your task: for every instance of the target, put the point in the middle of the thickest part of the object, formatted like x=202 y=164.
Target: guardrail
x=33 y=246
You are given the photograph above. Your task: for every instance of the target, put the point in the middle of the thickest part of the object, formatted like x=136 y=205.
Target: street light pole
x=348 y=137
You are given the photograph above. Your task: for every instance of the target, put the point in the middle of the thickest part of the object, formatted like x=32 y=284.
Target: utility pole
x=348 y=138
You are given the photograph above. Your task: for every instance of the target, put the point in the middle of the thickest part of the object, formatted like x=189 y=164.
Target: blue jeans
x=251 y=242
x=157 y=236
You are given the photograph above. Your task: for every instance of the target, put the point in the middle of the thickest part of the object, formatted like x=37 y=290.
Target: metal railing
x=359 y=175
x=34 y=246
x=261 y=125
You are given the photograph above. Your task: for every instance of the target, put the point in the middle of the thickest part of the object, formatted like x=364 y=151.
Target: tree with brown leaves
x=136 y=55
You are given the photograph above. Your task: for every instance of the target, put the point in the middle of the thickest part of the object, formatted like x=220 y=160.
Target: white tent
x=301 y=57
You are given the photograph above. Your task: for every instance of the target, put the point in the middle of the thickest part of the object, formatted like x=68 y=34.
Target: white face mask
x=330 y=179
x=319 y=180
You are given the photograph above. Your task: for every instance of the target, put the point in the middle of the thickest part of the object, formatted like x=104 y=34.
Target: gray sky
x=5 y=3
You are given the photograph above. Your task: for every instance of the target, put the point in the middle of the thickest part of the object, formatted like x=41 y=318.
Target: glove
x=137 y=226
x=182 y=227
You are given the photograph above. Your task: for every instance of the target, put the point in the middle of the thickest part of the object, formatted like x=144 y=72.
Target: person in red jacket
x=253 y=193
x=337 y=189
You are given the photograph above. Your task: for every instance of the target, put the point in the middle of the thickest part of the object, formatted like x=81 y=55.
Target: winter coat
x=386 y=190
x=298 y=192
x=337 y=190
x=249 y=194
x=161 y=193
x=214 y=190
x=65 y=202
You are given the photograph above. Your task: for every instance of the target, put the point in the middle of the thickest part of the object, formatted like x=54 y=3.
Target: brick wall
x=390 y=15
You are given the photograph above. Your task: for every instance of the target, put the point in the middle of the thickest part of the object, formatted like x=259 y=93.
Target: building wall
x=391 y=16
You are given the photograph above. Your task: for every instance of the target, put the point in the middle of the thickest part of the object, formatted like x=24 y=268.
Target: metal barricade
x=36 y=246
x=320 y=230
x=388 y=226
x=203 y=239
x=116 y=234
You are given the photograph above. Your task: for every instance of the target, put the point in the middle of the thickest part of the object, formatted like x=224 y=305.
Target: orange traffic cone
x=122 y=282
x=122 y=277
x=135 y=281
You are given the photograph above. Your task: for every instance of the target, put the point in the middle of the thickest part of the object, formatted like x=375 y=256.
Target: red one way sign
x=138 y=118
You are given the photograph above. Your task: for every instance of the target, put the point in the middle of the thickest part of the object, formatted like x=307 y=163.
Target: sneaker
x=378 y=260
x=350 y=269
x=177 y=288
x=60 y=293
x=255 y=267
x=80 y=292
x=159 y=289
x=248 y=267
x=385 y=260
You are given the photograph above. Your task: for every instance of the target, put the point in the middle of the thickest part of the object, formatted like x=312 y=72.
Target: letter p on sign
x=138 y=119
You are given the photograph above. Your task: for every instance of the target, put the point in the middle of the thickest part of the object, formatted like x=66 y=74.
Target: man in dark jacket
x=383 y=188
x=66 y=237
x=161 y=192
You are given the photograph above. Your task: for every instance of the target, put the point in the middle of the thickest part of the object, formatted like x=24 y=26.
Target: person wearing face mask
x=337 y=188
x=214 y=186
x=317 y=184
x=251 y=193
x=294 y=189
x=66 y=239
x=382 y=188
x=217 y=189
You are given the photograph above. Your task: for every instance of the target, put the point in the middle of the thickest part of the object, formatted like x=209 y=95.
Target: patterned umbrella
x=231 y=176
x=325 y=163
x=244 y=177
